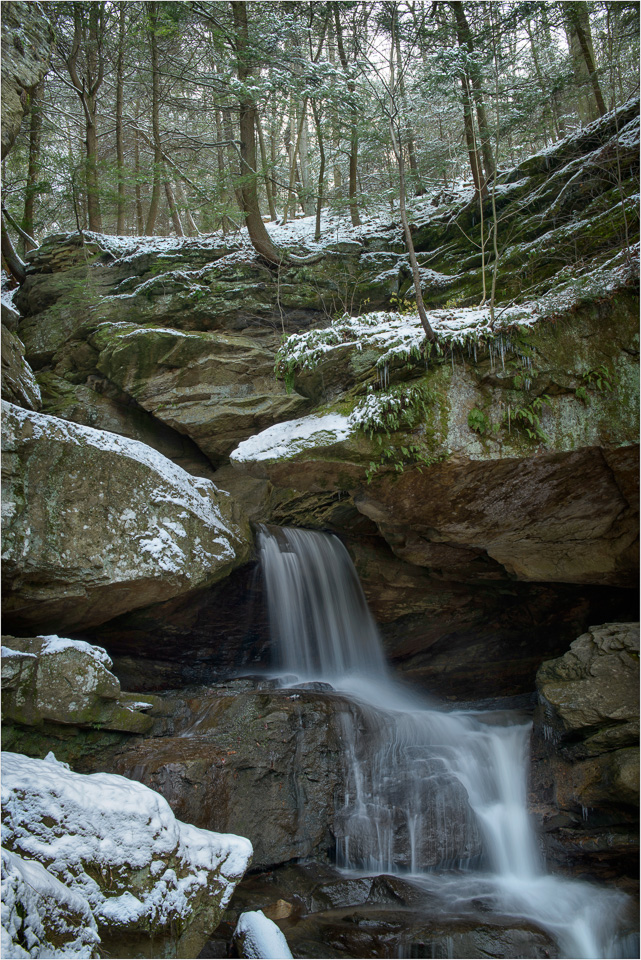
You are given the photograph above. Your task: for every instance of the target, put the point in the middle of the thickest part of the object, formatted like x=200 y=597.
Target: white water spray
x=426 y=792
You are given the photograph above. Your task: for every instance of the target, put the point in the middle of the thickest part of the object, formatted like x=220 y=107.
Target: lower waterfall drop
x=438 y=796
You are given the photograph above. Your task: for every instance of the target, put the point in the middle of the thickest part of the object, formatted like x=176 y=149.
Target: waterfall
x=439 y=796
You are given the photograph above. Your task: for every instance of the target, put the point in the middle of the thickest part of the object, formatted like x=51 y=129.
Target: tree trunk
x=470 y=138
x=16 y=266
x=335 y=124
x=222 y=174
x=152 y=13
x=321 y=171
x=33 y=169
x=409 y=243
x=464 y=37
x=140 y=217
x=408 y=134
x=589 y=97
x=266 y=173
x=173 y=209
x=93 y=188
x=233 y=159
x=258 y=234
x=353 y=140
x=120 y=150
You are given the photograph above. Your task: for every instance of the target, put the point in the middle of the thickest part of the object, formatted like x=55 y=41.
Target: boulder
x=215 y=388
x=42 y=917
x=27 y=38
x=96 y=524
x=68 y=682
x=18 y=382
x=585 y=774
x=156 y=887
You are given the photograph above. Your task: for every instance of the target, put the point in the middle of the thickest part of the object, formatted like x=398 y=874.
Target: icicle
x=585 y=812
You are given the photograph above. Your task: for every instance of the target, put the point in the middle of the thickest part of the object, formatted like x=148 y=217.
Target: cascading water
x=437 y=795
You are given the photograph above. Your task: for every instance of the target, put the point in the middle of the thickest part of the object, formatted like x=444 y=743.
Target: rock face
x=154 y=886
x=216 y=389
x=27 y=39
x=96 y=524
x=66 y=681
x=586 y=753
x=263 y=764
x=18 y=382
x=274 y=765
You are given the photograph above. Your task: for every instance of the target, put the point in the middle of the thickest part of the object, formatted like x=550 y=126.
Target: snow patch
x=285 y=440
x=261 y=938
x=36 y=905
x=54 y=644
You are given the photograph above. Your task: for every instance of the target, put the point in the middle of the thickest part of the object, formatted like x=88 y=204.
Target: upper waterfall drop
x=318 y=613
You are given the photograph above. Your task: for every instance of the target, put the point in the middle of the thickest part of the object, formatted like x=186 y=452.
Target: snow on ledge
x=285 y=440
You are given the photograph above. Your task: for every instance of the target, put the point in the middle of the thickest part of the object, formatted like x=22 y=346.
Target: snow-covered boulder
x=259 y=938
x=41 y=917
x=96 y=524
x=156 y=887
x=67 y=681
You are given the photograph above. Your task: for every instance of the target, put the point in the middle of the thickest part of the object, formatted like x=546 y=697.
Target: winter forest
x=185 y=118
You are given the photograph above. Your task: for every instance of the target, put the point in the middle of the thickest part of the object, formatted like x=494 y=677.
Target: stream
x=439 y=797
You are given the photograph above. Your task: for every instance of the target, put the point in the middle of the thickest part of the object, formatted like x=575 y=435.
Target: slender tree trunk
x=589 y=97
x=353 y=139
x=409 y=243
x=93 y=187
x=266 y=173
x=409 y=134
x=192 y=229
x=140 y=217
x=33 y=169
x=335 y=124
x=120 y=150
x=224 y=192
x=233 y=159
x=549 y=104
x=321 y=170
x=152 y=13
x=464 y=37
x=581 y=23
x=173 y=209
x=293 y=167
x=470 y=138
